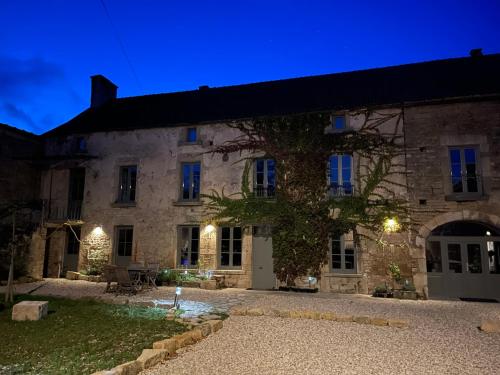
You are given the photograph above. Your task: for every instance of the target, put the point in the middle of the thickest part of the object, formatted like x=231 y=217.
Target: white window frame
x=125 y=190
x=463 y=171
x=231 y=247
x=181 y=247
x=265 y=185
x=340 y=192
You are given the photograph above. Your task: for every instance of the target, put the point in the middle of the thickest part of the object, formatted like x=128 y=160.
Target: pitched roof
x=451 y=78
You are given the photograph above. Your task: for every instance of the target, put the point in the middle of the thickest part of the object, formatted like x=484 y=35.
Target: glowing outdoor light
x=209 y=228
x=391 y=225
x=488 y=233
x=178 y=291
x=97 y=231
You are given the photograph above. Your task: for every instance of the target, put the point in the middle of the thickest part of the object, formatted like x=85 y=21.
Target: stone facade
x=157 y=214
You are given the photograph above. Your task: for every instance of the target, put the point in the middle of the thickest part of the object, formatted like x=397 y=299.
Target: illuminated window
x=230 y=245
x=191 y=135
x=464 y=170
x=339 y=122
x=190 y=184
x=264 y=178
x=340 y=175
x=128 y=180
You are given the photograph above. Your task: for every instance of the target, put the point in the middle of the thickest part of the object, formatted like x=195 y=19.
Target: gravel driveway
x=442 y=339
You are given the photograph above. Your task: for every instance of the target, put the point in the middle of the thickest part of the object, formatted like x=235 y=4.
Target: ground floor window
x=125 y=237
x=189 y=245
x=343 y=255
x=230 y=246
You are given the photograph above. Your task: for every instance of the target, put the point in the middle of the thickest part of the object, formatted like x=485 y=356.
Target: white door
x=263 y=276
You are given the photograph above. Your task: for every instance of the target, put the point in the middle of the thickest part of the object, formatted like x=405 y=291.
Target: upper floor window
x=265 y=178
x=339 y=122
x=190 y=188
x=343 y=255
x=191 y=135
x=128 y=181
x=464 y=168
x=189 y=246
x=230 y=246
x=340 y=175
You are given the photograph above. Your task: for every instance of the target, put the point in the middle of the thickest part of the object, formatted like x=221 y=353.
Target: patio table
x=145 y=274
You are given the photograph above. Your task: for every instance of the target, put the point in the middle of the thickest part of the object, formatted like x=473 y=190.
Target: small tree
x=303 y=216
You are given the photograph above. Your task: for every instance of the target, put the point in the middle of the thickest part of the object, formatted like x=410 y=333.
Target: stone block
x=30 y=310
x=71 y=275
x=208 y=284
x=379 y=322
x=362 y=319
x=170 y=345
x=398 y=323
x=151 y=357
x=205 y=329
x=328 y=316
x=215 y=325
x=490 y=326
x=241 y=311
x=344 y=318
x=295 y=314
x=255 y=312
x=183 y=340
x=128 y=368
x=284 y=314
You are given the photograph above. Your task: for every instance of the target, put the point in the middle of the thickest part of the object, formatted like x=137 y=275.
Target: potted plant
x=382 y=290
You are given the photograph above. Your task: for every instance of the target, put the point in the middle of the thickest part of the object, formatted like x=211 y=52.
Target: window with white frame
x=191 y=135
x=189 y=246
x=127 y=185
x=124 y=241
x=190 y=181
x=343 y=255
x=340 y=175
x=230 y=246
x=264 y=178
x=464 y=170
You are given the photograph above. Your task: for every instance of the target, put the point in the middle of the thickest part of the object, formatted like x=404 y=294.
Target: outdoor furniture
x=110 y=277
x=124 y=283
x=144 y=275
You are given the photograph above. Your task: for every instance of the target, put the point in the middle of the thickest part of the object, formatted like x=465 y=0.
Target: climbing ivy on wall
x=302 y=214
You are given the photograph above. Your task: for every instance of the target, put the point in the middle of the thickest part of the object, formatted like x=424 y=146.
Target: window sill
x=466 y=197
x=186 y=143
x=187 y=203
x=123 y=204
x=340 y=274
x=229 y=271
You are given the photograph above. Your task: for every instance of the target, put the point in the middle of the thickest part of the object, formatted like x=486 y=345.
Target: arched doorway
x=463 y=260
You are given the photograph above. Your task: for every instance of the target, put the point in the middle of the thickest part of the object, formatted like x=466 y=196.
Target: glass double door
x=463 y=267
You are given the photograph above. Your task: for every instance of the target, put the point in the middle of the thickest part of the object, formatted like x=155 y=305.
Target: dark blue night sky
x=48 y=49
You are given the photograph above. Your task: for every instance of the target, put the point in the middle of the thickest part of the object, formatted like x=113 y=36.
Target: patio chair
x=110 y=277
x=125 y=283
x=152 y=274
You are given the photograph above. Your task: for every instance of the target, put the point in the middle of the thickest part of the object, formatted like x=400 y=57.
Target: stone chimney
x=103 y=90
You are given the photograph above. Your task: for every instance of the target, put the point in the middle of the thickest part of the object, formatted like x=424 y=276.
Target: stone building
x=126 y=177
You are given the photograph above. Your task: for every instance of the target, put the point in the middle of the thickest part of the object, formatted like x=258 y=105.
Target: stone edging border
x=165 y=349
x=317 y=315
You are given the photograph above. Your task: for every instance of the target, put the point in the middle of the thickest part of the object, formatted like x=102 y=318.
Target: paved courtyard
x=442 y=337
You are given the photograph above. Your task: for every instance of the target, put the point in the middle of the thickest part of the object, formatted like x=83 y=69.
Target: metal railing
x=264 y=191
x=62 y=210
x=344 y=190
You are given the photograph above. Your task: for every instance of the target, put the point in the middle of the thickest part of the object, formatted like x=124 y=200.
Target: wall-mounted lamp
x=209 y=228
x=391 y=225
x=97 y=231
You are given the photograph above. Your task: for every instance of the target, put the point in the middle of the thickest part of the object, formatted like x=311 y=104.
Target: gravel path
x=442 y=339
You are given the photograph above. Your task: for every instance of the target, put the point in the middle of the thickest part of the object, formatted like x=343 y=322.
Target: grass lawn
x=79 y=336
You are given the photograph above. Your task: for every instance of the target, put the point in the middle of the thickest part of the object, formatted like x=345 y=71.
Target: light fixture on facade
x=391 y=225
x=488 y=233
x=97 y=231
x=209 y=228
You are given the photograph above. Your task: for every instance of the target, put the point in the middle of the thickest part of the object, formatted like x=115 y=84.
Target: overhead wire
x=121 y=45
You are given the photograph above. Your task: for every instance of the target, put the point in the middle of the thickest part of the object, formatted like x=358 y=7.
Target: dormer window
x=191 y=135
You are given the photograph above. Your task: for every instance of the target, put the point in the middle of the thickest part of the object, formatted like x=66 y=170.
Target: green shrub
x=167 y=276
x=395 y=271
x=382 y=288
